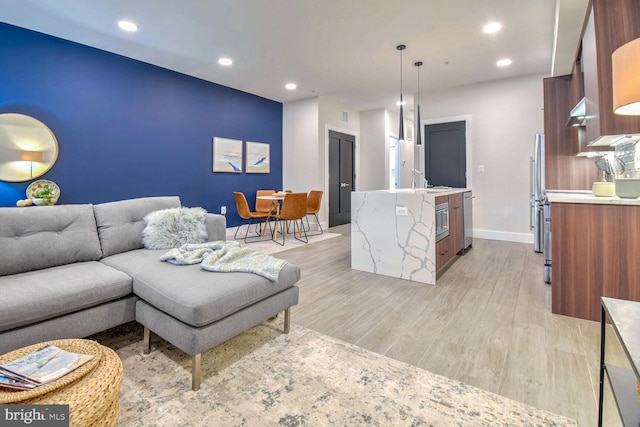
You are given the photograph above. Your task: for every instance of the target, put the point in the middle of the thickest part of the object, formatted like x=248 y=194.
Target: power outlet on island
x=402 y=211
x=223 y=210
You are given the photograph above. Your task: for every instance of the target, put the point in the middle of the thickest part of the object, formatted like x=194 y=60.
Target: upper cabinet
x=563 y=170
x=610 y=24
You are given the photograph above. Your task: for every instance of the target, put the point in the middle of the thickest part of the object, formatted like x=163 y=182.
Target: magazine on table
x=15 y=383
x=43 y=365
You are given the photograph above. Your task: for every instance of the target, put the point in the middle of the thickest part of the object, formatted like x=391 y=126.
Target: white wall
x=305 y=143
x=373 y=162
x=300 y=166
x=505 y=116
x=376 y=128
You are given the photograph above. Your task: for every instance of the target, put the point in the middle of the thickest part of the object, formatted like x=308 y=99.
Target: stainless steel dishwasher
x=468 y=219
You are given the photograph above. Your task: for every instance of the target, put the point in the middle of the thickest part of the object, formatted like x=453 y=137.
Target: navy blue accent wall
x=130 y=129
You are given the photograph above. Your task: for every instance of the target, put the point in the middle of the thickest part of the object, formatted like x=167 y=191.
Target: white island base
x=393 y=233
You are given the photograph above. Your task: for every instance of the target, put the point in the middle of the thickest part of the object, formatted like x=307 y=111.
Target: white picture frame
x=227 y=155
x=258 y=158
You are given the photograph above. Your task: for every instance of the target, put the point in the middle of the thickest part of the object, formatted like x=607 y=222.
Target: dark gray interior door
x=341 y=177
x=446 y=154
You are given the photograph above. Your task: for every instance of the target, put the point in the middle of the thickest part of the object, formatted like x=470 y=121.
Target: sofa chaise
x=69 y=271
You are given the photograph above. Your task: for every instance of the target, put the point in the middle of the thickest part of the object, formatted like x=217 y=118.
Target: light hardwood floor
x=487 y=322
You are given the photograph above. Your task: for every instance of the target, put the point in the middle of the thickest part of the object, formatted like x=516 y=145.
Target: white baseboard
x=503 y=235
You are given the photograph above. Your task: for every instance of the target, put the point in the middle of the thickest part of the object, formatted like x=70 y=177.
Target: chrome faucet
x=413 y=178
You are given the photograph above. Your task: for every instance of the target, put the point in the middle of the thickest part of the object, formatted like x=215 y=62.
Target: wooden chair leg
x=146 y=346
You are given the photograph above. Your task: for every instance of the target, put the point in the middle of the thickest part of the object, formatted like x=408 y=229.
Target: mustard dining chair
x=313 y=207
x=268 y=206
x=246 y=214
x=294 y=209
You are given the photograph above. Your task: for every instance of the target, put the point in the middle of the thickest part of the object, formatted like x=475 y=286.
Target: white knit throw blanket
x=227 y=257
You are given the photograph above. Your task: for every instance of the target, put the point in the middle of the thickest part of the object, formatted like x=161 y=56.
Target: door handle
x=532 y=166
x=531 y=209
x=344 y=184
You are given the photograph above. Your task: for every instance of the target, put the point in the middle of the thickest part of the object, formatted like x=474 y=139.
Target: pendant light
x=401 y=47
x=418 y=138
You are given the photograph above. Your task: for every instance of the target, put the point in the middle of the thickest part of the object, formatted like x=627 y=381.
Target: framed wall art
x=227 y=155
x=258 y=159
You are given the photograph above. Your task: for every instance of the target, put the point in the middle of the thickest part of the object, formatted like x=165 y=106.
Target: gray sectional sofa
x=69 y=271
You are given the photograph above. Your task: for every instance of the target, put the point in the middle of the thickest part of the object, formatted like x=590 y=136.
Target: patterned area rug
x=266 y=378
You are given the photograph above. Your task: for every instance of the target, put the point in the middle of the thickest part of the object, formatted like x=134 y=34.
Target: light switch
x=481 y=168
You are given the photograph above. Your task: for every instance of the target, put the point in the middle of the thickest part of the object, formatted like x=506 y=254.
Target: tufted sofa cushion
x=120 y=224
x=39 y=237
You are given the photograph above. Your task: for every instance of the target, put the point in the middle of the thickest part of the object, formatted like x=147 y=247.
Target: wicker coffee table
x=91 y=391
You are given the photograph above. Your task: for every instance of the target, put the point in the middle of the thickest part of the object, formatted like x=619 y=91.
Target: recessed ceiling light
x=225 y=61
x=127 y=26
x=504 y=62
x=492 y=27
x=291 y=86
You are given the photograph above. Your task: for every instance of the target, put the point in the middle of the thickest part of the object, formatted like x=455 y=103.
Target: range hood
x=578 y=114
x=600 y=146
x=577 y=119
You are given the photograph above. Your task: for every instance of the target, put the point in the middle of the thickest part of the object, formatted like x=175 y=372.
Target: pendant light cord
x=401 y=77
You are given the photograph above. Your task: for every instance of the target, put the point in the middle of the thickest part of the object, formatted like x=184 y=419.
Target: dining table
x=277 y=202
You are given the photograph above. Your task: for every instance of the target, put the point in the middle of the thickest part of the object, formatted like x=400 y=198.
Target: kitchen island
x=393 y=232
x=595 y=243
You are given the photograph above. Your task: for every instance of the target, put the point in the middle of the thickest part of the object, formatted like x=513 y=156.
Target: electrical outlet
x=402 y=211
x=223 y=210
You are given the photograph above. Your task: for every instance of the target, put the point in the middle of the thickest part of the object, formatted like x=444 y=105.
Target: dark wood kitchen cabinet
x=443 y=252
x=563 y=170
x=594 y=249
x=443 y=247
x=610 y=24
x=448 y=247
x=456 y=223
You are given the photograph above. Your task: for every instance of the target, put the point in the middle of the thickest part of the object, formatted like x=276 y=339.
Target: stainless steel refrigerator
x=538 y=194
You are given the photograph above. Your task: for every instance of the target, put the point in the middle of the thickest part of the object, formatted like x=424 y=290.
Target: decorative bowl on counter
x=50 y=201
x=628 y=188
x=43 y=192
x=604 y=189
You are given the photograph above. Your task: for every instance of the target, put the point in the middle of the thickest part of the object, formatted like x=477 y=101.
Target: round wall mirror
x=28 y=148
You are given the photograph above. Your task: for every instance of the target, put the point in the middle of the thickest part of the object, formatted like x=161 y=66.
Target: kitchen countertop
x=559 y=196
x=435 y=191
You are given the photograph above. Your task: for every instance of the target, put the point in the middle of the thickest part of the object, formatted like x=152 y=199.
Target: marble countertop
x=435 y=191
x=587 y=197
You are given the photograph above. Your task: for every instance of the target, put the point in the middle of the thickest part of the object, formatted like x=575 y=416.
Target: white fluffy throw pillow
x=171 y=228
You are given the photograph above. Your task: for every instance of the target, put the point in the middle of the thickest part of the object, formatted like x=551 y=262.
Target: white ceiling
x=340 y=48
